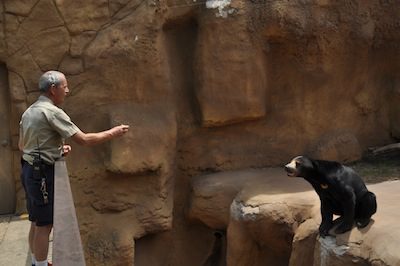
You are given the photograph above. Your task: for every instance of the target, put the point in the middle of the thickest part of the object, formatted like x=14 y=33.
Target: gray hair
x=50 y=78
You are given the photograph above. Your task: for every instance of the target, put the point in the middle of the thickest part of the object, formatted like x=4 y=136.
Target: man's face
x=59 y=92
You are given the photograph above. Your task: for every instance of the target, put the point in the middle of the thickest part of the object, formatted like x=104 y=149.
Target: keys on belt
x=43 y=189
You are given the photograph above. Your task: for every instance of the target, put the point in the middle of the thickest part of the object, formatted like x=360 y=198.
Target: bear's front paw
x=343 y=227
x=324 y=229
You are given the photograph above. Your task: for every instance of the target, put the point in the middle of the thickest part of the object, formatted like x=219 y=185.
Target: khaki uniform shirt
x=43 y=128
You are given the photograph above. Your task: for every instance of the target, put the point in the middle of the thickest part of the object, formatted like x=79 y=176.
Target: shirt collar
x=43 y=98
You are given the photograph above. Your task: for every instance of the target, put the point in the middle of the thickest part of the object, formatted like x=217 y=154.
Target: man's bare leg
x=30 y=240
x=41 y=241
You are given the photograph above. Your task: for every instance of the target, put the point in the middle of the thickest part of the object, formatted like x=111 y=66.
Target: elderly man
x=43 y=128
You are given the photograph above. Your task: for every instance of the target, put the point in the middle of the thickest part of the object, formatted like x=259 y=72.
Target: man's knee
x=44 y=229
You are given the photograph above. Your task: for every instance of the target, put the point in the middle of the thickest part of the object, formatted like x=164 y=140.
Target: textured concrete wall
x=7 y=182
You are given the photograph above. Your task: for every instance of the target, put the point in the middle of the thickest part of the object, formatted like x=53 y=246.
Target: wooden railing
x=67 y=244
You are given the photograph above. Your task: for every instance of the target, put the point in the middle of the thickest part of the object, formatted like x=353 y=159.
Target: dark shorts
x=39 y=212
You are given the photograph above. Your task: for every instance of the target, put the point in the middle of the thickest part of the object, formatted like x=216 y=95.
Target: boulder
x=225 y=97
x=150 y=143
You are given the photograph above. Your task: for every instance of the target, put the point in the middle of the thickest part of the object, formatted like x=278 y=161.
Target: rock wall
x=206 y=86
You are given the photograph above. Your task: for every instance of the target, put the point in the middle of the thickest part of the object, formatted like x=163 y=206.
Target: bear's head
x=299 y=166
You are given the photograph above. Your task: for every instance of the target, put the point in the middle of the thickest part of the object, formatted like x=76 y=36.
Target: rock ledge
x=271 y=218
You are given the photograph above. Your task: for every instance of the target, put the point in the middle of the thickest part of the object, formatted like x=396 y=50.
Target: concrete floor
x=14 y=247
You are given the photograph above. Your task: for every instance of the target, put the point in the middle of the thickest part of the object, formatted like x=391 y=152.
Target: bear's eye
x=297 y=164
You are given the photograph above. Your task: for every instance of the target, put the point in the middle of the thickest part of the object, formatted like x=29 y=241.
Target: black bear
x=341 y=191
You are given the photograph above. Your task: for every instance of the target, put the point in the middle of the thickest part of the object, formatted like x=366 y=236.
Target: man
x=43 y=128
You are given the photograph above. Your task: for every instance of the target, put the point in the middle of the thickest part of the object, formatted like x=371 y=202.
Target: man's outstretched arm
x=88 y=139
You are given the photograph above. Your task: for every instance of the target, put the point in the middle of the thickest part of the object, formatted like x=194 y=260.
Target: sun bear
x=341 y=190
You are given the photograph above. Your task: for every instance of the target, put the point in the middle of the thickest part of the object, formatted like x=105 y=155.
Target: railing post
x=67 y=244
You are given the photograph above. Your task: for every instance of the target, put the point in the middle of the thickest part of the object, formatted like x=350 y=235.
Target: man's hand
x=66 y=149
x=118 y=131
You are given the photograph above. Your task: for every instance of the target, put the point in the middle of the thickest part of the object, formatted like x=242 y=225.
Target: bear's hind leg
x=361 y=223
x=365 y=209
x=337 y=221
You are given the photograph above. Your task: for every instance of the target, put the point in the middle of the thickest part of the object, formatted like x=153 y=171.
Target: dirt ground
x=378 y=168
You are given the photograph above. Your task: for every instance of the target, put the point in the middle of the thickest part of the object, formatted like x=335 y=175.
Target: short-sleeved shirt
x=43 y=129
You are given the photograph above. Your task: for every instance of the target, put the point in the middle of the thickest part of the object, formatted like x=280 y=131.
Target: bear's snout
x=290 y=169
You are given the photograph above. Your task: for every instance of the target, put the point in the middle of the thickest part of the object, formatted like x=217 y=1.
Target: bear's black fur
x=341 y=191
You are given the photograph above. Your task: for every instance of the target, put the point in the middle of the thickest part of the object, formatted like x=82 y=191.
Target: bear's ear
x=310 y=163
x=314 y=164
